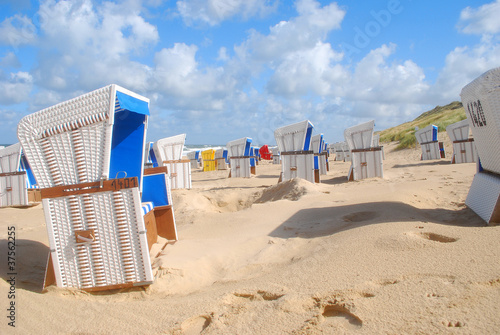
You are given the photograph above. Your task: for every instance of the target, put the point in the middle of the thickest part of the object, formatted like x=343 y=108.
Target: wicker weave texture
x=119 y=253
x=9 y=158
x=360 y=136
x=240 y=168
x=484 y=195
x=13 y=190
x=481 y=100
x=430 y=151
x=169 y=148
x=237 y=148
x=367 y=164
x=298 y=166
x=180 y=173
x=65 y=144
x=292 y=137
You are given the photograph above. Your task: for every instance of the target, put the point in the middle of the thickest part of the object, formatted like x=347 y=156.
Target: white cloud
x=16 y=88
x=10 y=60
x=482 y=20
x=17 y=30
x=213 y=12
x=308 y=71
x=375 y=80
x=300 y=33
x=463 y=65
x=95 y=46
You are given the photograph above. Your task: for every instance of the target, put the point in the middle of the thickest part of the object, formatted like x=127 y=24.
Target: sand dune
x=399 y=255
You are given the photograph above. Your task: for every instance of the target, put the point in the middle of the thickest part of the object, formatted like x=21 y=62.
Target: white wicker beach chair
x=168 y=152
x=13 y=179
x=428 y=139
x=297 y=157
x=464 y=149
x=238 y=152
x=221 y=159
x=366 y=159
x=320 y=156
x=194 y=157
x=96 y=229
x=481 y=100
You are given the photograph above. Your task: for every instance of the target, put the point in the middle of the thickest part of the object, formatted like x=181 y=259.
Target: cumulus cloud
x=17 y=30
x=375 y=80
x=97 y=44
x=311 y=26
x=482 y=20
x=10 y=60
x=308 y=71
x=15 y=88
x=213 y=12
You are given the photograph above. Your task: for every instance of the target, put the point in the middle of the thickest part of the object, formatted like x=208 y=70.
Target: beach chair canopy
x=10 y=158
x=294 y=137
x=481 y=100
x=95 y=136
x=317 y=143
x=265 y=153
x=458 y=131
x=427 y=134
x=239 y=148
x=360 y=136
x=376 y=140
x=169 y=148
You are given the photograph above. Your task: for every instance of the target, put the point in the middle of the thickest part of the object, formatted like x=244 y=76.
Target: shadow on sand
x=318 y=222
x=30 y=262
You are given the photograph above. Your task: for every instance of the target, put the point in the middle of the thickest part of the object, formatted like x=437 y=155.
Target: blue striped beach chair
x=297 y=156
x=87 y=155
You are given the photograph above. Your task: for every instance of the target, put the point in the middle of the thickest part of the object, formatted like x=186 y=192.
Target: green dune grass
x=441 y=116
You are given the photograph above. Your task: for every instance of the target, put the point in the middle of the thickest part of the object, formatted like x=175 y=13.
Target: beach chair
x=275 y=155
x=194 y=157
x=376 y=144
x=13 y=180
x=297 y=157
x=481 y=100
x=87 y=155
x=464 y=149
x=239 y=158
x=168 y=152
x=366 y=159
x=320 y=160
x=338 y=149
x=265 y=153
x=150 y=160
x=428 y=140
x=221 y=159
x=208 y=159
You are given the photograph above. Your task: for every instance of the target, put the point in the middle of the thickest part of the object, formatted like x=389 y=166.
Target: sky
x=219 y=70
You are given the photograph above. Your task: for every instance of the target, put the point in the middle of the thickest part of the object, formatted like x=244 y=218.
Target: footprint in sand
x=341 y=316
x=196 y=324
x=437 y=237
x=259 y=295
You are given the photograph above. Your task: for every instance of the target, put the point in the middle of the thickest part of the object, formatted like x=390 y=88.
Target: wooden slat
x=155 y=170
x=165 y=223
x=93 y=187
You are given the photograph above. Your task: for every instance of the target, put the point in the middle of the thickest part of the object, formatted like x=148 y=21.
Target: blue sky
x=219 y=70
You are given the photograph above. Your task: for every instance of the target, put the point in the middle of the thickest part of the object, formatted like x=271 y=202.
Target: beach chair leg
x=229 y=173
x=252 y=170
x=50 y=277
x=165 y=222
x=281 y=178
x=316 y=176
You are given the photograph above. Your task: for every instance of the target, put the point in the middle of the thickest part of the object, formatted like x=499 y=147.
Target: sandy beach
x=398 y=255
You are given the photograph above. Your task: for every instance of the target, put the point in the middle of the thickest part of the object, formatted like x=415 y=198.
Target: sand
x=399 y=255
